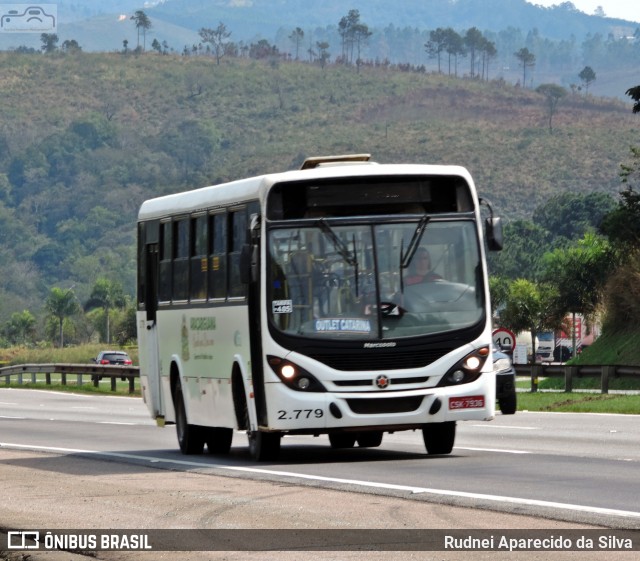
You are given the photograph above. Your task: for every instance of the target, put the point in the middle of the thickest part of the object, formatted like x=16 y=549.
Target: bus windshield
x=329 y=279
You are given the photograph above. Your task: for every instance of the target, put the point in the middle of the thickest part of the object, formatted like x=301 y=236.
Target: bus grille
x=385 y=405
x=373 y=361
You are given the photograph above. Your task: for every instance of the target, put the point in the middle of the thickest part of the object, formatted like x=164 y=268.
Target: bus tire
x=190 y=437
x=370 y=439
x=218 y=439
x=508 y=404
x=342 y=439
x=439 y=437
x=264 y=446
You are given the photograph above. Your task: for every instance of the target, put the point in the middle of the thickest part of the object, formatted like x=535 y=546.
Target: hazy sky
x=625 y=9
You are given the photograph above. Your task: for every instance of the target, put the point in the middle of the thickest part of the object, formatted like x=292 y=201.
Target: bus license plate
x=468 y=402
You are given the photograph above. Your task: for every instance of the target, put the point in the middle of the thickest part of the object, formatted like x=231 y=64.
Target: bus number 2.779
x=300 y=414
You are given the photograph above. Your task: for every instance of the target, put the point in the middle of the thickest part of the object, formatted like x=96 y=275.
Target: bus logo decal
x=382 y=381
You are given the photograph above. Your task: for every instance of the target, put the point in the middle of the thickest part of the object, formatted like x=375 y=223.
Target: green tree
x=61 y=304
x=354 y=34
x=588 y=76
x=21 y=328
x=579 y=274
x=634 y=93
x=49 y=43
x=527 y=60
x=297 y=35
x=71 y=46
x=622 y=224
x=143 y=24
x=473 y=40
x=107 y=295
x=489 y=52
x=437 y=44
x=217 y=38
x=569 y=216
x=499 y=290
x=525 y=244
x=552 y=94
x=531 y=307
x=323 y=53
x=455 y=47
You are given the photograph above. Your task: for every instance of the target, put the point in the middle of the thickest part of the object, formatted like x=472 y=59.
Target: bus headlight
x=467 y=370
x=293 y=376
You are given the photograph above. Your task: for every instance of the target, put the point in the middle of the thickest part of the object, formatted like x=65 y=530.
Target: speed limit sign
x=504 y=339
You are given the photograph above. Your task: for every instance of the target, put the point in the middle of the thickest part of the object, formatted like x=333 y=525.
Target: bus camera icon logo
x=23 y=540
x=25 y=18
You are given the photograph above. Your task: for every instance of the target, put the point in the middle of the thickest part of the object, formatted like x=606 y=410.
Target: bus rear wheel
x=439 y=437
x=218 y=440
x=190 y=437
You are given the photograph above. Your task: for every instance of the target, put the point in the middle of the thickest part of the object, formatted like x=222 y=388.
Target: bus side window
x=237 y=238
x=199 y=259
x=218 y=256
x=164 y=288
x=181 y=259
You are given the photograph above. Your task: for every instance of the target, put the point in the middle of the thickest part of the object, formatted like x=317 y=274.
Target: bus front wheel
x=342 y=439
x=439 y=437
x=190 y=437
x=264 y=446
x=370 y=439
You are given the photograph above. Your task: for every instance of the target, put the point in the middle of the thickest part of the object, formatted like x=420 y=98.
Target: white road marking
x=499 y=450
x=355 y=482
x=489 y=426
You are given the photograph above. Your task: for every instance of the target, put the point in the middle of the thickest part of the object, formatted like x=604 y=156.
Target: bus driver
x=420 y=268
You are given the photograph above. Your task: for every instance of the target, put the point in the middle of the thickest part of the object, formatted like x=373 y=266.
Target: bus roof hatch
x=316 y=161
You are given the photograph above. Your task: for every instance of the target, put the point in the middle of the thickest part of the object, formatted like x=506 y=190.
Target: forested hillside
x=85 y=138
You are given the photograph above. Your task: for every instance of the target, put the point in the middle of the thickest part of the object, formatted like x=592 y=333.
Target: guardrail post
x=20 y=378
x=132 y=384
x=63 y=375
x=33 y=378
x=569 y=374
x=607 y=373
x=113 y=383
x=47 y=378
x=79 y=381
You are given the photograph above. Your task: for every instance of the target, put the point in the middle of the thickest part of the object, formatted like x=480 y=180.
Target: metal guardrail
x=605 y=372
x=95 y=371
x=534 y=371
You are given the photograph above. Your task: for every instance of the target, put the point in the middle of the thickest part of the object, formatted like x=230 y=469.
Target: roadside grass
x=104 y=388
x=556 y=383
x=579 y=402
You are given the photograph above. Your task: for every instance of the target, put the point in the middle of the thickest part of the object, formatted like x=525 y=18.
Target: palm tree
x=107 y=295
x=61 y=304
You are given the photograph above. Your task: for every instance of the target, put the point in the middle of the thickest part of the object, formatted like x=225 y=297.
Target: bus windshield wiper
x=406 y=257
x=340 y=246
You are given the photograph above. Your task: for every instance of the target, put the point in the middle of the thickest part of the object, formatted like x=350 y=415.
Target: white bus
x=288 y=304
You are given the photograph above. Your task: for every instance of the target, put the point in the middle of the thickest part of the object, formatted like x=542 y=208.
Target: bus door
x=151 y=349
